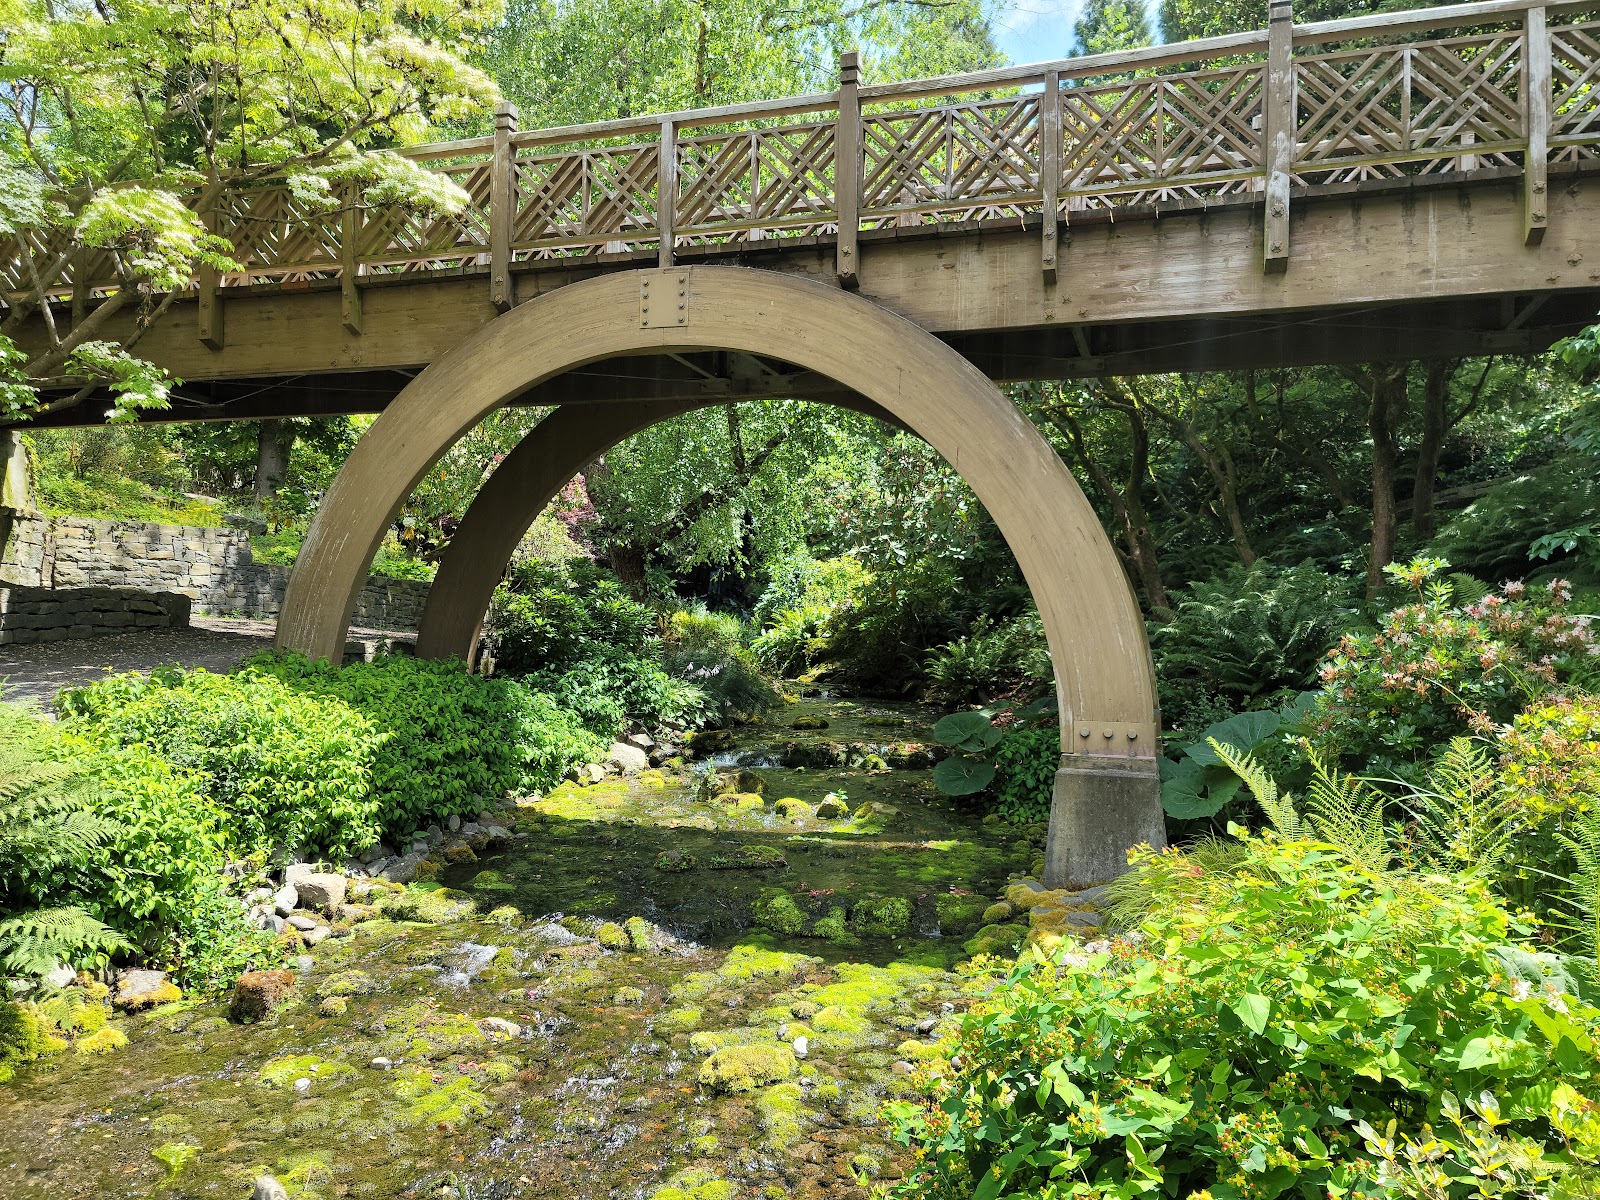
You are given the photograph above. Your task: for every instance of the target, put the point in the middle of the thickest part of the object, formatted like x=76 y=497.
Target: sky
x=1036 y=30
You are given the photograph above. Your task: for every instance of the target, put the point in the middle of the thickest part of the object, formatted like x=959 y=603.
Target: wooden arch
x=1106 y=791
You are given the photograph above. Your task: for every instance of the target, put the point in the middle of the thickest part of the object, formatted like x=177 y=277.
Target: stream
x=651 y=991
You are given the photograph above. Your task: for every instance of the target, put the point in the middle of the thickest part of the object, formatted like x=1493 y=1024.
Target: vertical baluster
x=208 y=307
x=1050 y=167
x=350 y=309
x=502 y=205
x=667 y=191
x=1279 y=135
x=1536 y=98
x=847 y=141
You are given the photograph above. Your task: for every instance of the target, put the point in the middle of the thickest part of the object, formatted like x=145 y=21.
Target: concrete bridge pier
x=1106 y=795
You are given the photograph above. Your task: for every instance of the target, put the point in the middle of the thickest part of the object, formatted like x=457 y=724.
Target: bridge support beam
x=1104 y=676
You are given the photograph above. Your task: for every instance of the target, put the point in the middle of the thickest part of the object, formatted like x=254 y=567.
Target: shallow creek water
x=589 y=1084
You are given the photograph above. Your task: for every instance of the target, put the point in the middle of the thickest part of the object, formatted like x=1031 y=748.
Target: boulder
x=629 y=760
x=642 y=740
x=374 y=853
x=320 y=934
x=258 y=993
x=403 y=870
x=302 y=922
x=454 y=822
x=268 y=1188
x=61 y=976
x=285 y=900
x=144 y=989
x=322 y=890
x=832 y=808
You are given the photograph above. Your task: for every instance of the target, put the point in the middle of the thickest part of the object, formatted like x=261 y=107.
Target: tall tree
x=1104 y=26
x=177 y=95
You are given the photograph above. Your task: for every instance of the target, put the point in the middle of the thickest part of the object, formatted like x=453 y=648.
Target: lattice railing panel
x=1193 y=132
x=393 y=239
x=1384 y=105
x=273 y=234
x=958 y=156
x=1575 y=76
x=586 y=201
x=777 y=178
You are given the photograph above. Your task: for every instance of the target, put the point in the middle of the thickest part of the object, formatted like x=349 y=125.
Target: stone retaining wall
x=212 y=567
x=51 y=615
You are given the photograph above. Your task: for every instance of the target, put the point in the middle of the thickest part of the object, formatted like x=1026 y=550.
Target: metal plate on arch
x=663 y=299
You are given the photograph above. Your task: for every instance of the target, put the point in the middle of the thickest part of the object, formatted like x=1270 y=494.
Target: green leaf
x=1253 y=1009
x=956 y=776
x=1245 y=732
x=1185 y=795
x=968 y=731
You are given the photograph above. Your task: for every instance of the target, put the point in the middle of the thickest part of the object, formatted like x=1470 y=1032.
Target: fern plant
x=47 y=824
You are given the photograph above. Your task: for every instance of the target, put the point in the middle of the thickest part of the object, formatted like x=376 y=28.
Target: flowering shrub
x=1550 y=755
x=1292 y=1025
x=1436 y=668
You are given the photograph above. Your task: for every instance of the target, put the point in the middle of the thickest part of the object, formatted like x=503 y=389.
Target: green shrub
x=1297 y=1026
x=1550 y=755
x=613 y=685
x=1492 y=536
x=455 y=741
x=1025 y=762
x=800 y=581
x=290 y=771
x=990 y=661
x=708 y=650
x=795 y=641
x=1255 y=632
x=1437 y=667
x=47 y=825
x=550 y=620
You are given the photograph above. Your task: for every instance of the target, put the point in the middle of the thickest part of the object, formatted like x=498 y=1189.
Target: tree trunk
x=274 y=442
x=627 y=564
x=1387 y=392
x=1435 y=430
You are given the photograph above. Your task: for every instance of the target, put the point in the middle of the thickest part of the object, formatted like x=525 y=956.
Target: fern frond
x=1582 y=896
x=1347 y=812
x=1464 y=820
x=1279 y=807
x=36 y=941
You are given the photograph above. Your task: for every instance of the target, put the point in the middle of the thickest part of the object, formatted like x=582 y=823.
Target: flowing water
x=531 y=1052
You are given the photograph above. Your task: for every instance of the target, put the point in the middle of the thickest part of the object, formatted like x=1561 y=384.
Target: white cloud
x=1035 y=30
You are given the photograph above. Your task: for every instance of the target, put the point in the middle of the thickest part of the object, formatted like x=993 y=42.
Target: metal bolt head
x=1083 y=733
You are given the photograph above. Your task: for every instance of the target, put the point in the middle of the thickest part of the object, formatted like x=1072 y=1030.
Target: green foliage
x=550 y=620
x=47 y=826
x=1250 y=634
x=1550 y=755
x=708 y=650
x=23 y=1038
x=1025 y=765
x=290 y=771
x=990 y=661
x=454 y=741
x=611 y=686
x=1527 y=520
x=1104 y=26
x=1436 y=667
x=1297 y=1026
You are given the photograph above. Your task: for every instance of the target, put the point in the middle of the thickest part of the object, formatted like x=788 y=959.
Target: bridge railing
x=1501 y=83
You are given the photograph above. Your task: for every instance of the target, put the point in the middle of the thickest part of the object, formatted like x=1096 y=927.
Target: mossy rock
x=642 y=935
x=914 y=1051
x=793 y=808
x=627 y=995
x=346 y=983
x=709 y=1041
x=832 y=808
x=995 y=939
x=613 y=936
x=756 y=962
x=960 y=913
x=783 y=1115
x=695 y=1183
x=756 y=857
x=743 y=801
x=998 y=913
x=448 y=1105
x=101 y=1041
x=777 y=910
x=677 y=1020
x=745 y=1068
x=836 y=1028
x=881 y=916
x=834 y=929
x=333 y=1006
x=282 y=1072
x=428 y=905
x=676 y=861
x=809 y=722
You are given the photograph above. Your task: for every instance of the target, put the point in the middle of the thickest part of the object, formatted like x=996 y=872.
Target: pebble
x=285 y=899
x=901 y=1067
x=318 y=935
x=801 y=1045
x=302 y=1085
x=381 y=1064
x=268 y=1188
x=302 y=922
x=305 y=962
x=927 y=1024
x=454 y=822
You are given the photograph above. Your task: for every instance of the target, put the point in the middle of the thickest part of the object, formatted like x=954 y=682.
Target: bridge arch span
x=1106 y=792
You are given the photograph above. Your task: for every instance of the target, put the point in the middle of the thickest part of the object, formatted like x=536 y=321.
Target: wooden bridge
x=1401 y=185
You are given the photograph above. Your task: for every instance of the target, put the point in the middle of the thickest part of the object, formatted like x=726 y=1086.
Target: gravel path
x=38 y=672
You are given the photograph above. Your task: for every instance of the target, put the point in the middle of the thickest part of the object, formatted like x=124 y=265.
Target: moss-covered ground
x=595 y=1012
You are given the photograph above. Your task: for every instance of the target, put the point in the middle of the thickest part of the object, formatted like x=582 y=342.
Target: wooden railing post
x=1536 y=88
x=208 y=306
x=502 y=205
x=350 y=308
x=667 y=192
x=1278 y=135
x=847 y=170
x=1050 y=168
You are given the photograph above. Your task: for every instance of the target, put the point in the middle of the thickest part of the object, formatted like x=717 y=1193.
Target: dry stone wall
x=212 y=567
x=52 y=615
